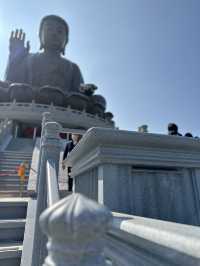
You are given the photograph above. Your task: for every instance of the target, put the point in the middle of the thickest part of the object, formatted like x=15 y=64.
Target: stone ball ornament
x=76 y=218
x=75 y=227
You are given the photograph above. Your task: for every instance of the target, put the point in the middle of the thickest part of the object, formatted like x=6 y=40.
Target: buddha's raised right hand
x=17 y=44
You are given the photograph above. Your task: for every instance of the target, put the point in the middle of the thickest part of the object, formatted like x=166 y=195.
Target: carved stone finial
x=75 y=227
x=46 y=117
x=50 y=132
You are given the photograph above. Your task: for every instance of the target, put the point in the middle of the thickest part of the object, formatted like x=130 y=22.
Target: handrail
x=133 y=238
x=74 y=217
x=73 y=131
x=52 y=183
x=49 y=150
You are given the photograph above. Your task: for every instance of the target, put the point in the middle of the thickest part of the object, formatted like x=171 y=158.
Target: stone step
x=12 y=175
x=7 y=167
x=13 y=208
x=12 y=193
x=17 y=160
x=14 y=159
x=14 y=187
x=16 y=153
x=9 y=171
x=11 y=180
x=15 y=156
x=21 y=144
x=12 y=162
x=12 y=230
x=9 y=177
x=10 y=253
x=19 y=154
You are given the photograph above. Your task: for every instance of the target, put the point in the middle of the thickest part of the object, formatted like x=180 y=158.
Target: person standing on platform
x=69 y=147
x=173 y=130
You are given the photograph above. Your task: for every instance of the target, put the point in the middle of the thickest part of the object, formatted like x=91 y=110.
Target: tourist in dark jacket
x=69 y=147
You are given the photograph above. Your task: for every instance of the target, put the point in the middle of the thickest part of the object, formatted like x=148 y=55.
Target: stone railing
x=139 y=241
x=75 y=226
x=66 y=116
x=6 y=132
x=80 y=232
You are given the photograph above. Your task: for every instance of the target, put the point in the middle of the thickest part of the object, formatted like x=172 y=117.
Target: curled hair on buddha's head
x=59 y=19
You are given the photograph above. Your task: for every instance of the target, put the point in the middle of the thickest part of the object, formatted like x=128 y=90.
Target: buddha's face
x=53 y=35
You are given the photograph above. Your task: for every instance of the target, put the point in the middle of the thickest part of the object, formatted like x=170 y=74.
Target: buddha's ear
x=66 y=42
x=67 y=39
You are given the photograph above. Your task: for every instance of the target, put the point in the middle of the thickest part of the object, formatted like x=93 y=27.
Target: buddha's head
x=53 y=33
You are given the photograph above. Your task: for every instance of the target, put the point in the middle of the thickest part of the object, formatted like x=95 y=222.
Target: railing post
x=50 y=149
x=34 y=133
x=51 y=144
x=46 y=117
x=75 y=227
x=16 y=130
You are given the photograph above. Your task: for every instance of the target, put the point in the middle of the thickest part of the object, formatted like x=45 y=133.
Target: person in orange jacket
x=22 y=175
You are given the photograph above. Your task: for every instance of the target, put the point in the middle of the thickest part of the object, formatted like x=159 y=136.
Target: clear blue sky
x=144 y=55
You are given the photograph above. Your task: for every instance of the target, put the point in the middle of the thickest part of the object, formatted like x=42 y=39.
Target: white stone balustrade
x=68 y=117
x=139 y=241
x=76 y=228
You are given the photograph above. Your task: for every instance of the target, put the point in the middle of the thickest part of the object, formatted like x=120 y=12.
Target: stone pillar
x=46 y=117
x=107 y=175
x=16 y=130
x=75 y=227
x=51 y=144
x=34 y=132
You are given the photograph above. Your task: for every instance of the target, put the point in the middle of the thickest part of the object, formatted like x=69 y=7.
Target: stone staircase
x=12 y=225
x=9 y=180
x=21 y=145
x=12 y=208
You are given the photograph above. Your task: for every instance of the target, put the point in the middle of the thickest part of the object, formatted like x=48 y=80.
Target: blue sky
x=144 y=55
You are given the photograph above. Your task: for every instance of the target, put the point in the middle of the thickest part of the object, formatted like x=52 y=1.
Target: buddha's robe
x=42 y=69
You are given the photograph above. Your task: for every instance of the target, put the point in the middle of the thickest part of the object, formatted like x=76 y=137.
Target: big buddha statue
x=47 y=76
